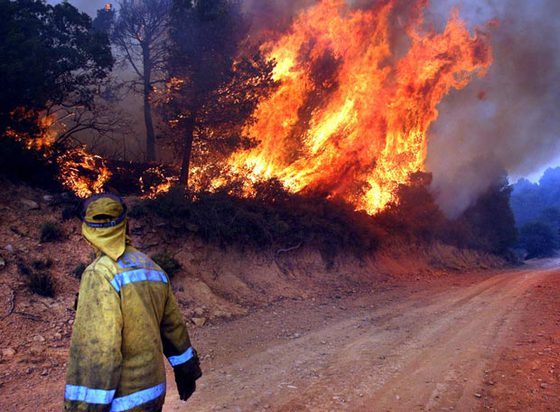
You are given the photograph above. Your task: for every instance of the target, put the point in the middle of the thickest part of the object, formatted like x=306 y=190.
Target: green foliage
x=488 y=225
x=415 y=216
x=551 y=216
x=530 y=201
x=166 y=260
x=104 y=20
x=491 y=220
x=49 y=55
x=274 y=218
x=79 y=270
x=539 y=239
x=51 y=232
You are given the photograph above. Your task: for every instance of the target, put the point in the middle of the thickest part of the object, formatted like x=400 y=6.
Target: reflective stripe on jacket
x=126 y=320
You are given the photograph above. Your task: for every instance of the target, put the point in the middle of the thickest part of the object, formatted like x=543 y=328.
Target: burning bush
x=352 y=111
x=82 y=172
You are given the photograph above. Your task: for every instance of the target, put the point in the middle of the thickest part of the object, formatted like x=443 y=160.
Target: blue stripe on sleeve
x=88 y=395
x=124 y=403
x=179 y=359
x=138 y=275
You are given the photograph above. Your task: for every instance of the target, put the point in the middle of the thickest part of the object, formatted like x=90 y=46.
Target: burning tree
x=350 y=118
x=215 y=83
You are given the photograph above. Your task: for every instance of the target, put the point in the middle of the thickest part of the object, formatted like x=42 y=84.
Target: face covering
x=104 y=225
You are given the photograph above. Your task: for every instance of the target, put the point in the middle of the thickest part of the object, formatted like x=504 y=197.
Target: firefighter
x=126 y=320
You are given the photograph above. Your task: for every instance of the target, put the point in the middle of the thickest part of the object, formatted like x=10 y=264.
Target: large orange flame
x=351 y=115
x=82 y=172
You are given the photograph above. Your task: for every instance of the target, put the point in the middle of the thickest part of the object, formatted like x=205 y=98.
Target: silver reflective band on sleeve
x=124 y=403
x=138 y=275
x=179 y=359
x=88 y=395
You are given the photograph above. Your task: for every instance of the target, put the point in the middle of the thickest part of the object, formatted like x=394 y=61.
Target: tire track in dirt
x=425 y=352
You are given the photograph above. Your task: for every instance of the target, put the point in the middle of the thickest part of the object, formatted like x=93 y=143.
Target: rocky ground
x=478 y=341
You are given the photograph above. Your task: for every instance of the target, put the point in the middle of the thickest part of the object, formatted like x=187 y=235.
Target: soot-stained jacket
x=127 y=320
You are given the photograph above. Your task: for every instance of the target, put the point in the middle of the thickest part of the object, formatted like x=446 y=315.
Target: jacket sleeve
x=95 y=352
x=175 y=338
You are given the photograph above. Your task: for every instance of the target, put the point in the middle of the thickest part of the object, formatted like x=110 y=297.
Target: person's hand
x=186 y=376
x=185 y=386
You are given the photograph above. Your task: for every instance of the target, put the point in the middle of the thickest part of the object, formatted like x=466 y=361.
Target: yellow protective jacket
x=126 y=320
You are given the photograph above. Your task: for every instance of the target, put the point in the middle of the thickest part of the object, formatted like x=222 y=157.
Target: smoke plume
x=506 y=122
x=509 y=120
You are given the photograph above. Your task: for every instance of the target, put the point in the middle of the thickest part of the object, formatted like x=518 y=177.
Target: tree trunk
x=187 y=151
x=150 y=134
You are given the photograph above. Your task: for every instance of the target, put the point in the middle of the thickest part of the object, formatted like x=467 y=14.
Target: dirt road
x=421 y=348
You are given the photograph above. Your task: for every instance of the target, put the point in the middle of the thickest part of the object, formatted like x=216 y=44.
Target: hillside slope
x=214 y=284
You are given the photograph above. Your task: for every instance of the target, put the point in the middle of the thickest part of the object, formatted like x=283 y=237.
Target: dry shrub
x=51 y=232
x=272 y=218
x=20 y=164
x=41 y=283
x=37 y=276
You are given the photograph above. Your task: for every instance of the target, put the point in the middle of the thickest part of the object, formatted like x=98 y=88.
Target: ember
x=45 y=134
x=155 y=181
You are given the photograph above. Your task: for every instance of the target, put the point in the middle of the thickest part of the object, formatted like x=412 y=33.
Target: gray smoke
x=89 y=6
x=509 y=120
x=506 y=122
x=273 y=15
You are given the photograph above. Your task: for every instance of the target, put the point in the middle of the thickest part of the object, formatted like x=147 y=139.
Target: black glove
x=186 y=375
